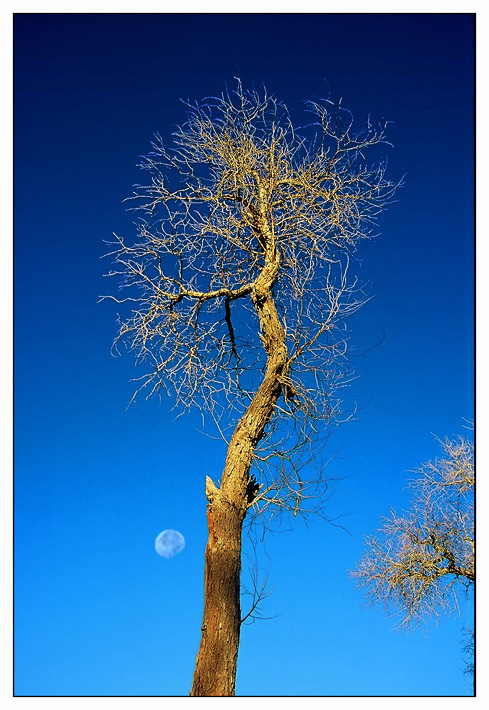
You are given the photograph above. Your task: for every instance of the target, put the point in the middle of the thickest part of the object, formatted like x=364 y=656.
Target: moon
x=169 y=543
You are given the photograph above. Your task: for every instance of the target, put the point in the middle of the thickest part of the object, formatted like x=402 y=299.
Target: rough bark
x=215 y=670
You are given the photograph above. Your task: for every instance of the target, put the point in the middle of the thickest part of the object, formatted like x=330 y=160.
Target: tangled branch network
x=240 y=199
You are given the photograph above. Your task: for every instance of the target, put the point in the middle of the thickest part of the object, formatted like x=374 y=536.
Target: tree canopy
x=242 y=204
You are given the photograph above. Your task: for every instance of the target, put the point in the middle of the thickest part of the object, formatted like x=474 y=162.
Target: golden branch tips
x=243 y=254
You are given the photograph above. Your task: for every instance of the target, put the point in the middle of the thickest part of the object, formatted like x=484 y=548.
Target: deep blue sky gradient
x=97 y=611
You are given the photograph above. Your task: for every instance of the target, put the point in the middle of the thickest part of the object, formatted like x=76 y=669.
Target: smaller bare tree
x=423 y=559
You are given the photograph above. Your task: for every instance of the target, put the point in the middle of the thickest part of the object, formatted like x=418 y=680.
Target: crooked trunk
x=215 y=669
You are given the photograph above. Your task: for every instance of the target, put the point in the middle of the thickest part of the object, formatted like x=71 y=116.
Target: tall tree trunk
x=215 y=669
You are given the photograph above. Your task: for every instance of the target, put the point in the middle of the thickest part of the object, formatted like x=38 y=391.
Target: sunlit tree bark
x=240 y=290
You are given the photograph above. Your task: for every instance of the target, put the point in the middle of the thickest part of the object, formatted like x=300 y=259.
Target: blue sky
x=97 y=611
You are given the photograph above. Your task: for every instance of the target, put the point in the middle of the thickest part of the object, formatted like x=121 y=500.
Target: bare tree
x=424 y=558
x=240 y=286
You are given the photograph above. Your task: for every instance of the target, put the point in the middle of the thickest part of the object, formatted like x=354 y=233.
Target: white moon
x=169 y=543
